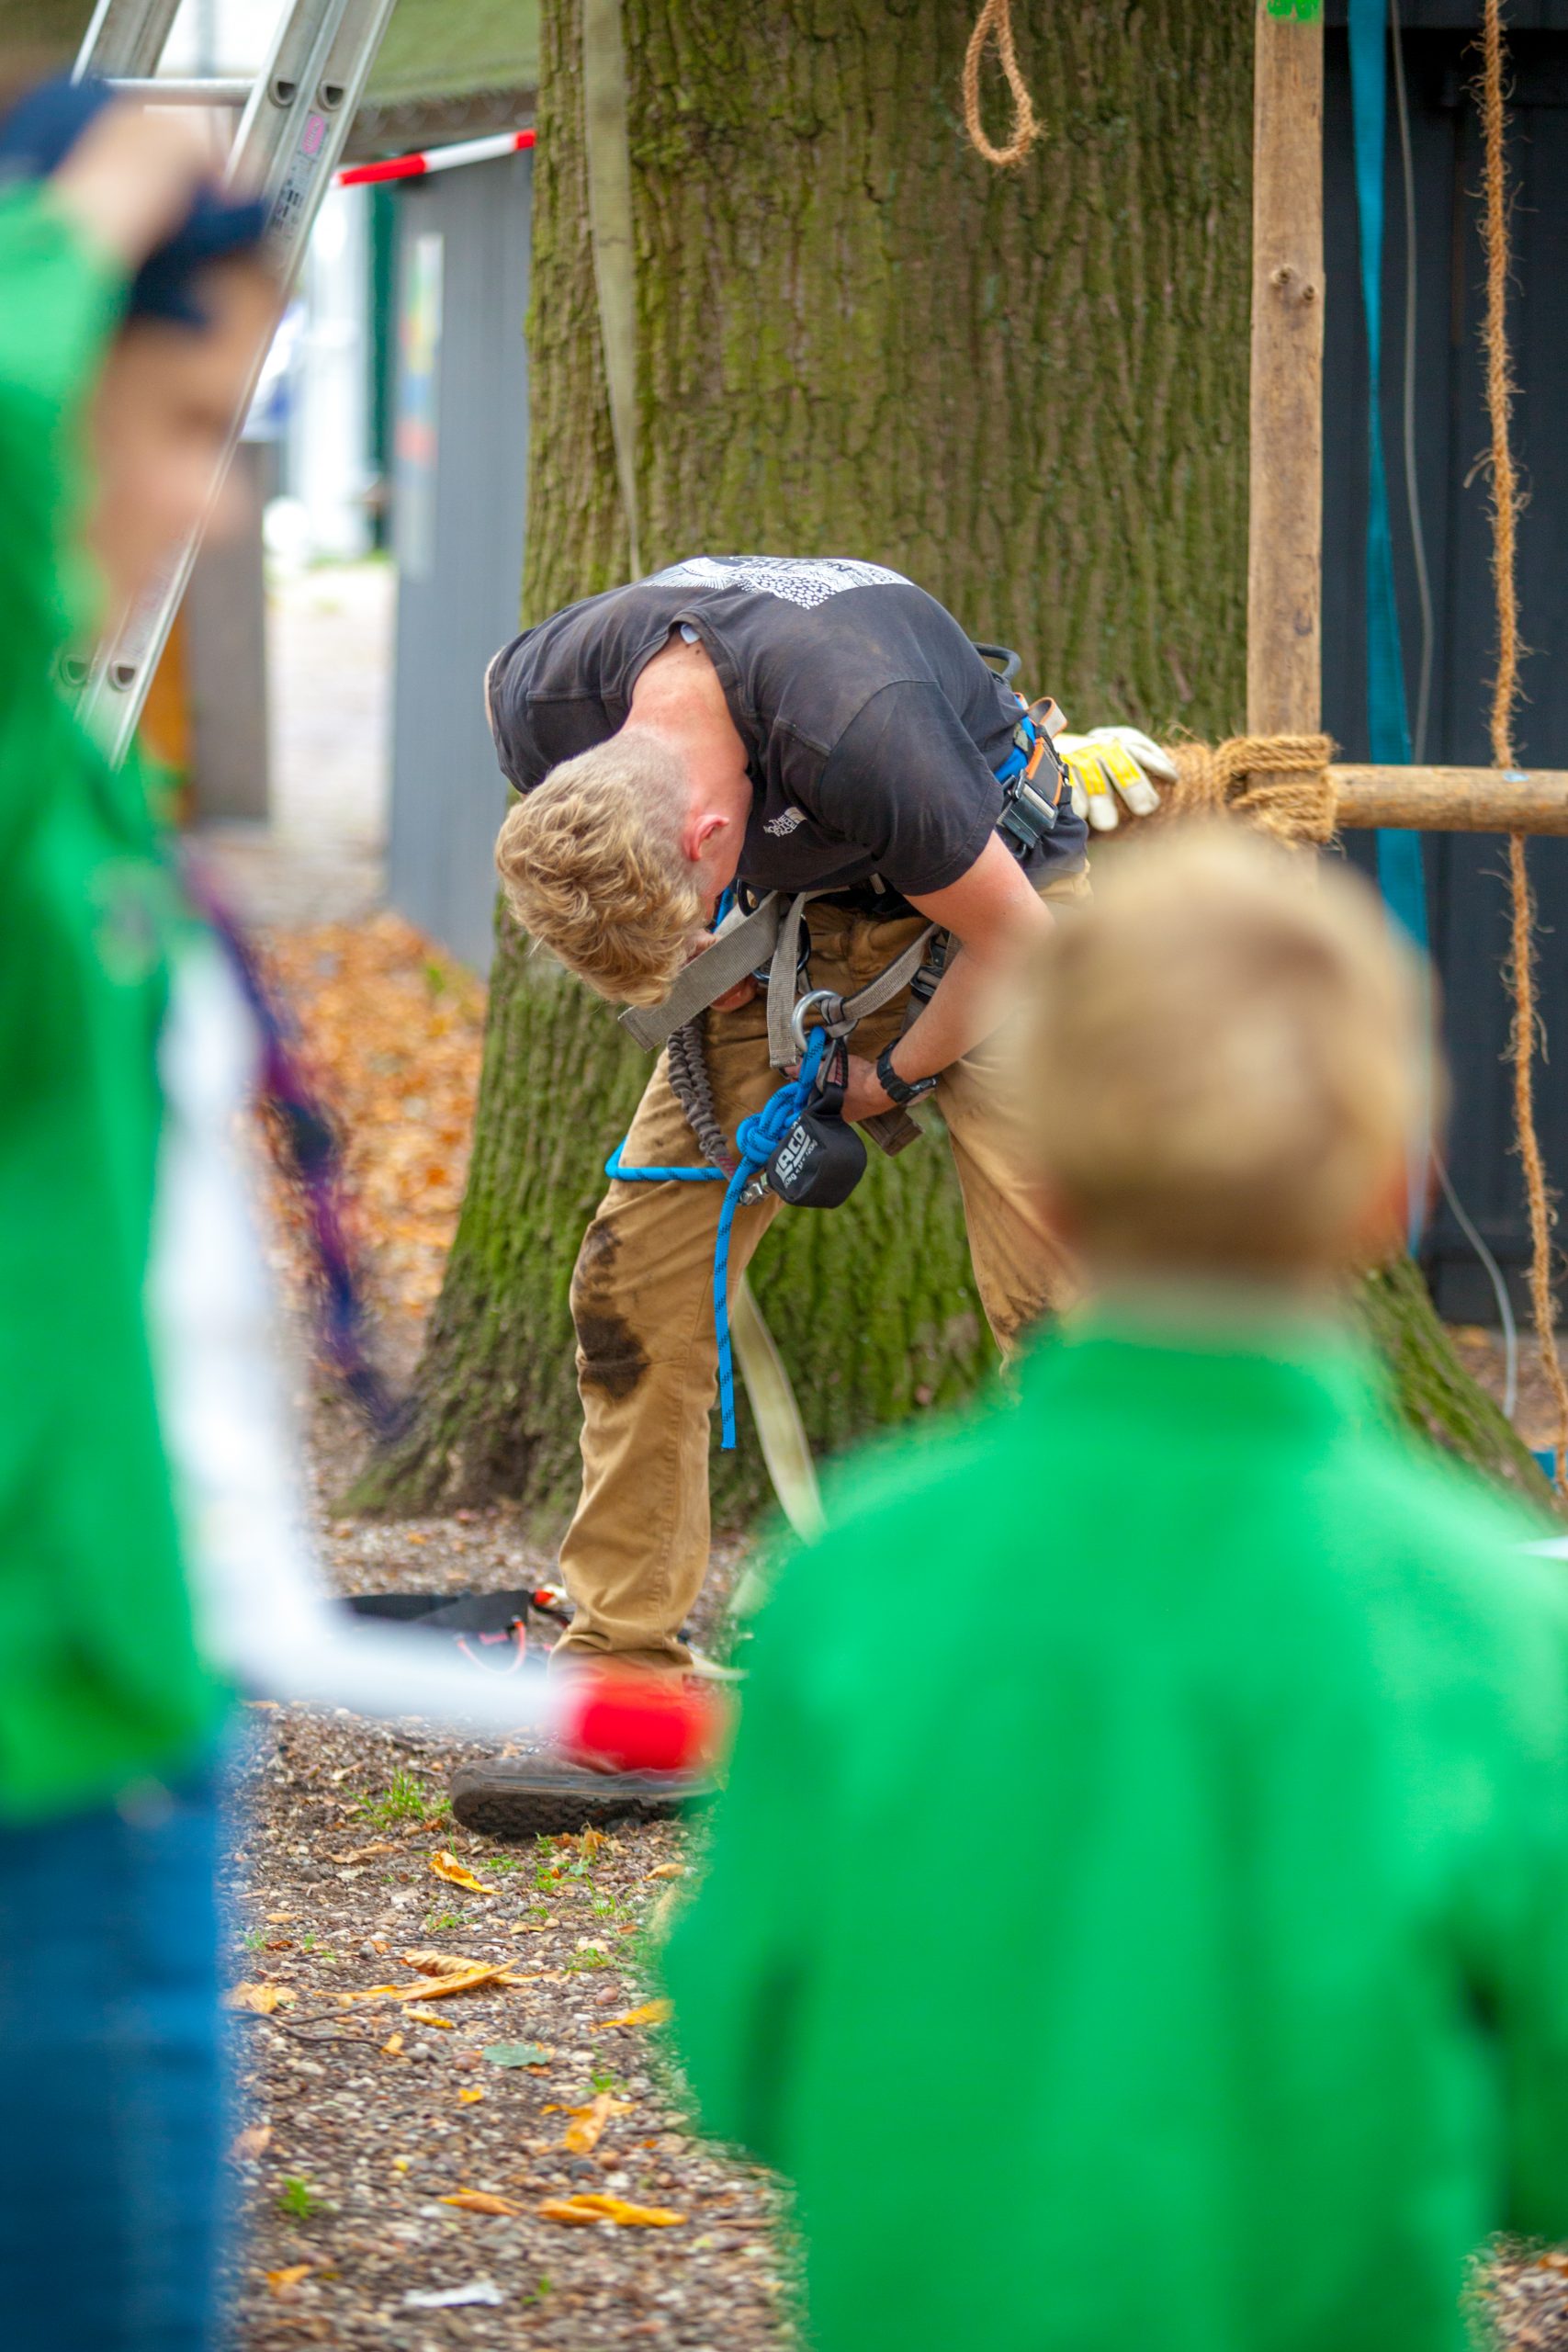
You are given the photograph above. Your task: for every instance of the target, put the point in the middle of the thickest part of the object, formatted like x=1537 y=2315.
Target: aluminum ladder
x=294 y=120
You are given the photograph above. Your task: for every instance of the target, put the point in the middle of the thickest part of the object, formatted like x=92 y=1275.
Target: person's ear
x=1384 y=1223
x=699 y=831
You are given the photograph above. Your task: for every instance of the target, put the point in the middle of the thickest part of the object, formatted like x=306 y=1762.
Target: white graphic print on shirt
x=781 y=826
x=804 y=579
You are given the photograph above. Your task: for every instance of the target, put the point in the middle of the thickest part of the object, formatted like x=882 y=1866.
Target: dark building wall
x=1468 y=894
x=459 y=459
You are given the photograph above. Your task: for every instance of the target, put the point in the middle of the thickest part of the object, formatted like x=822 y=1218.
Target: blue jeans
x=111 y=2078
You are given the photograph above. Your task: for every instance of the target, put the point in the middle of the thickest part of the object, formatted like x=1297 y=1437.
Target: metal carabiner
x=797 y=1018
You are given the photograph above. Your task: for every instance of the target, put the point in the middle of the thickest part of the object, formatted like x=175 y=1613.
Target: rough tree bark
x=1027 y=390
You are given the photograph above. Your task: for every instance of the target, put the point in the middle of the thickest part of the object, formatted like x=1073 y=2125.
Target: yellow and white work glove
x=1112 y=760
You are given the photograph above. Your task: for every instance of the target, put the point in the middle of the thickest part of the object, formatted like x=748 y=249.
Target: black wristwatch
x=900 y=1088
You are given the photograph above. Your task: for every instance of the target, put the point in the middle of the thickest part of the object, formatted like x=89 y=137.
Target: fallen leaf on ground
x=577 y=2212
x=469 y=2097
x=441 y=1964
x=437 y=1988
x=586 y=2128
x=456 y=1873
x=668 y=1869
x=393 y=2046
x=250 y=2143
x=282 y=1918
x=260 y=1999
x=430 y=2016
x=517 y=2053
x=280 y=2281
x=448 y=2299
x=369 y=1853
x=479 y=2200
x=650 y=2013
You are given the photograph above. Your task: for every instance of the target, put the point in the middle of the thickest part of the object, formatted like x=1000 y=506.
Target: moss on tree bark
x=1029 y=392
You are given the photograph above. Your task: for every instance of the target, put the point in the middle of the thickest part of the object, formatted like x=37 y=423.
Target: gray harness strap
x=743 y=943
x=841 y=1016
x=771 y=934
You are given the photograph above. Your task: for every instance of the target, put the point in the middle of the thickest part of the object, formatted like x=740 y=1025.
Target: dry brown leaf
x=246 y=2144
x=430 y=2016
x=650 y=2013
x=280 y=2281
x=441 y=1964
x=456 y=1873
x=437 y=1988
x=480 y=2201
x=259 y=1999
x=393 y=2046
x=369 y=1853
x=668 y=1869
x=586 y=2128
x=577 y=2212
x=470 y=2099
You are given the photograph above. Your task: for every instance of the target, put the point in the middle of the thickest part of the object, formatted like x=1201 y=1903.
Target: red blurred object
x=641 y=1724
x=436 y=159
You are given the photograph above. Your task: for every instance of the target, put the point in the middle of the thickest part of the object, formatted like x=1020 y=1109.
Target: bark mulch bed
x=358 y=2119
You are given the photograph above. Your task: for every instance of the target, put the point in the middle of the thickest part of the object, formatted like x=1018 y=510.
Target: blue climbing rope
x=616 y=1167
x=756 y=1139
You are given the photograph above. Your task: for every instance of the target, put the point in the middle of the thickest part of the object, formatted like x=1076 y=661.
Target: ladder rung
x=166 y=90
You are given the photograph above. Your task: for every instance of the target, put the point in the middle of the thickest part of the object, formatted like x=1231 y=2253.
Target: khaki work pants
x=636 y=1553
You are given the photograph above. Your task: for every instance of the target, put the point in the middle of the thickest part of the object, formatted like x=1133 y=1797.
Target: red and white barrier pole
x=436 y=159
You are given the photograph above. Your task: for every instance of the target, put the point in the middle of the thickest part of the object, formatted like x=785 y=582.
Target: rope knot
x=995 y=23
x=1280 y=784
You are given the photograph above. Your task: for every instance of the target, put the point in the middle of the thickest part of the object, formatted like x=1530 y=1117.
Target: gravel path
x=355 y=2119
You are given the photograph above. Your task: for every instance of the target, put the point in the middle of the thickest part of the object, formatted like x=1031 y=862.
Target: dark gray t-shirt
x=872 y=727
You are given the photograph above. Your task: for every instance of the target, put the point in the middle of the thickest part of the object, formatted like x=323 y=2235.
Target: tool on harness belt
x=1033 y=778
x=822 y=1160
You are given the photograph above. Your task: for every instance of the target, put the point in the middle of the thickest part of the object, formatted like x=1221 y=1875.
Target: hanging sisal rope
x=995 y=23
x=1505 y=696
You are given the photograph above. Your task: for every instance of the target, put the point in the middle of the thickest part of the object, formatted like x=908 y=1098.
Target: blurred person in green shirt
x=1182 y=1966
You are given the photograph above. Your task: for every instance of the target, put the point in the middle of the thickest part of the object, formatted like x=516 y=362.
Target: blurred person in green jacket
x=1183 y=1965
x=153 y=1547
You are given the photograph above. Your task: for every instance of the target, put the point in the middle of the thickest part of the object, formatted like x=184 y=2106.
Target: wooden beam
x=1285 y=529
x=1453 y=800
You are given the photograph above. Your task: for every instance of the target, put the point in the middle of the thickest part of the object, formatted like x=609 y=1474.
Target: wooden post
x=1452 y=800
x=1285 y=534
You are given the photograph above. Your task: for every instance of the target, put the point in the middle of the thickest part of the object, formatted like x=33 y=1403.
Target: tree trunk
x=1028 y=390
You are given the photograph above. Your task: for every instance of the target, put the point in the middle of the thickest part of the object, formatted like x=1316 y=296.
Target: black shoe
x=543 y=1794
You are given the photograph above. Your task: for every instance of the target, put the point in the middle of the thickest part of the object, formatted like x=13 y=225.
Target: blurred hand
x=865 y=1094
x=130 y=180
x=1111 y=762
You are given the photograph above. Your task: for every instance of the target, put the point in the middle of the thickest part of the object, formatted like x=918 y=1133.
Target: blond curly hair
x=1223 y=1059
x=592 y=864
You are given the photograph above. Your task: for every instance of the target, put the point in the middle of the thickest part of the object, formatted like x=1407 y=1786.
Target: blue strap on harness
x=756 y=1139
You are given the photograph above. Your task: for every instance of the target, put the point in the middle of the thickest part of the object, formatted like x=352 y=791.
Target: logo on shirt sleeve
x=808 y=581
x=781 y=826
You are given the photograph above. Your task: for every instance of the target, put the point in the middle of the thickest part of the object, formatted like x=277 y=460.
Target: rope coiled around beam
x=1280 y=784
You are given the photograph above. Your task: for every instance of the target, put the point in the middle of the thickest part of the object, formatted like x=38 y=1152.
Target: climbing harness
x=798 y=1145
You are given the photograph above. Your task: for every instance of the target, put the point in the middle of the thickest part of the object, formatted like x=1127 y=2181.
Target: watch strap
x=900 y=1091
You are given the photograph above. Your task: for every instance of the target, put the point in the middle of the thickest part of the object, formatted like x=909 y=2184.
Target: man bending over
x=792 y=725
